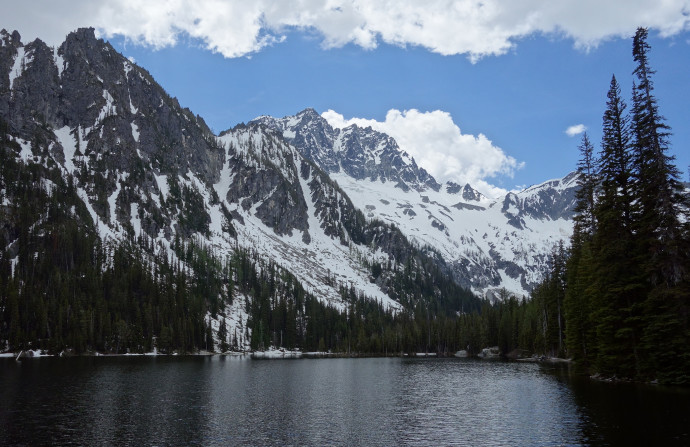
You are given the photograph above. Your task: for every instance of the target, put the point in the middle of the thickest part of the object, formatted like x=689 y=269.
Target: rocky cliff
x=327 y=204
x=490 y=244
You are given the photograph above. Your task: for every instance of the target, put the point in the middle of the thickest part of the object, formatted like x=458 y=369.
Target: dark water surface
x=213 y=401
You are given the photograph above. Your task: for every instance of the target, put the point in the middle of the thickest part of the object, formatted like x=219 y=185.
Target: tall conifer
x=657 y=179
x=659 y=231
x=619 y=289
x=577 y=301
x=585 y=222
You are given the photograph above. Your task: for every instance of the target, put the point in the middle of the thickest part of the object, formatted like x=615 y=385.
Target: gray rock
x=362 y=153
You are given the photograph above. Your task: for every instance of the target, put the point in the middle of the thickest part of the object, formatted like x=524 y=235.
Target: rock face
x=327 y=204
x=266 y=176
x=107 y=122
x=150 y=172
x=490 y=244
x=361 y=153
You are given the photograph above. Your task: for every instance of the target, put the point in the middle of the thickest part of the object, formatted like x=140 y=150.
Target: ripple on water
x=373 y=402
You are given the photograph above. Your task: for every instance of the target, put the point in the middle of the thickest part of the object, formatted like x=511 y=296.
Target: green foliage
x=627 y=290
x=62 y=288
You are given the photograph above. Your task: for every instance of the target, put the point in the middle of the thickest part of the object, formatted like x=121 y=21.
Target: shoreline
x=278 y=354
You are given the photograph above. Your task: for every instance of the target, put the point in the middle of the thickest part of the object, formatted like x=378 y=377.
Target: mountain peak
x=471 y=194
x=360 y=152
x=310 y=112
x=83 y=35
x=10 y=38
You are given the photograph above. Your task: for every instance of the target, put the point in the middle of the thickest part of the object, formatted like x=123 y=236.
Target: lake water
x=214 y=401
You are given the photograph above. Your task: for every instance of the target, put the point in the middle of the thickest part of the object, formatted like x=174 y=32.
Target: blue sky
x=511 y=86
x=522 y=101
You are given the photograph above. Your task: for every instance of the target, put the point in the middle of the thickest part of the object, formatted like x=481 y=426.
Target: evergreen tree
x=659 y=190
x=614 y=165
x=580 y=331
x=559 y=286
x=584 y=220
x=660 y=233
x=618 y=289
x=578 y=295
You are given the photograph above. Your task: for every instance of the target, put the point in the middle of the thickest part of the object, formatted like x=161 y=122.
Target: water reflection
x=631 y=414
x=303 y=402
x=479 y=403
x=97 y=401
x=238 y=401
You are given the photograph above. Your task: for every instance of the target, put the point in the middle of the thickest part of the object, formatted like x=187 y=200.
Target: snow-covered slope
x=148 y=169
x=326 y=204
x=491 y=244
x=276 y=199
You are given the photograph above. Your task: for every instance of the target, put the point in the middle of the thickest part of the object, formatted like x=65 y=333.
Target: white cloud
x=576 y=129
x=236 y=27
x=438 y=145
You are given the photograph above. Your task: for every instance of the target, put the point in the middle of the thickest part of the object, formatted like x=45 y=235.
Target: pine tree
x=577 y=303
x=659 y=231
x=584 y=221
x=223 y=336
x=659 y=190
x=559 y=286
x=614 y=166
x=618 y=290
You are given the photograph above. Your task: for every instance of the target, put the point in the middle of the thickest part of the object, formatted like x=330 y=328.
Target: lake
x=214 y=401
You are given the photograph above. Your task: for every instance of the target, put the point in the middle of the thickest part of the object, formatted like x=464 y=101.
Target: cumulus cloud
x=236 y=27
x=576 y=129
x=438 y=145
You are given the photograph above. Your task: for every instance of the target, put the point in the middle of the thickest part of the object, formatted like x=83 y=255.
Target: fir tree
x=614 y=166
x=660 y=234
x=659 y=190
x=618 y=288
x=577 y=302
x=584 y=220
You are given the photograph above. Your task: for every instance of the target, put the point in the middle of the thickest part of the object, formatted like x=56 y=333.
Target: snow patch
x=26 y=153
x=59 y=61
x=112 y=201
x=135 y=220
x=108 y=109
x=16 y=70
x=162 y=182
x=69 y=145
x=127 y=66
x=235 y=317
x=104 y=231
x=13 y=264
x=135 y=132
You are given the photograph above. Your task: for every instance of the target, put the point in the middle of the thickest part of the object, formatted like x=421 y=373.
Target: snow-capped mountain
x=335 y=207
x=359 y=153
x=490 y=243
x=148 y=170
